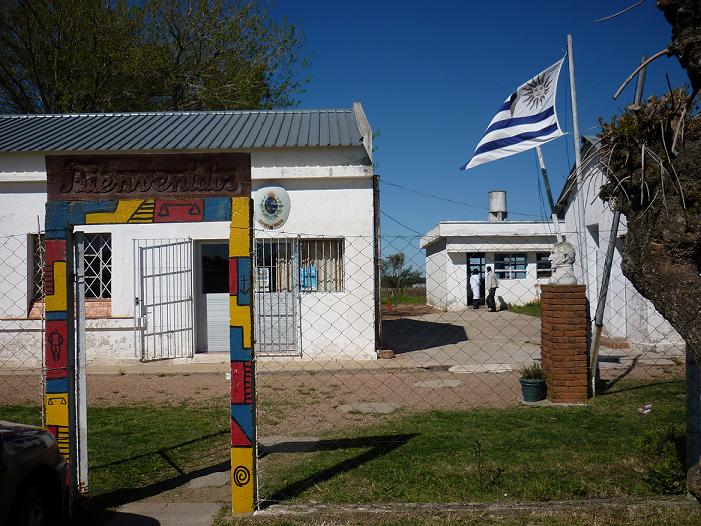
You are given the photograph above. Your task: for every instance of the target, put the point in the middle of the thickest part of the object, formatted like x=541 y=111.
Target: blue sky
x=431 y=75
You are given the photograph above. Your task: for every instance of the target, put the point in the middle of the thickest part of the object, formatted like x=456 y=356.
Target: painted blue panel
x=217 y=209
x=243 y=416
x=78 y=209
x=244 y=278
x=56 y=221
x=57 y=385
x=237 y=352
x=55 y=316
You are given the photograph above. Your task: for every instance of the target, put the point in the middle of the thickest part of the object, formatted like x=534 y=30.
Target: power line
x=447 y=200
x=400 y=223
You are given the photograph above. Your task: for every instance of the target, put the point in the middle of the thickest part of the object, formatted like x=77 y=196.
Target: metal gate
x=277 y=299
x=163 y=303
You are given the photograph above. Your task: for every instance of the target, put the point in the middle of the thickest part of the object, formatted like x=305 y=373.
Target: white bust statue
x=562 y=260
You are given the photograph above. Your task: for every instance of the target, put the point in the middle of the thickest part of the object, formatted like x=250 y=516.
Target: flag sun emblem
x=536 y=91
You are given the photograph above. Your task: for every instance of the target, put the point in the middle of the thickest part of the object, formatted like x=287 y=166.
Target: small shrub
x=663 y=469
x=532 y=372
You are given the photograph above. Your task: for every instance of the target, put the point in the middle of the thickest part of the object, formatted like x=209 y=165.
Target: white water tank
x=497 y=205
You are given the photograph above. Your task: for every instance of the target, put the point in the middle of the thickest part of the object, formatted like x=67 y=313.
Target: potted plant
x=532 y=383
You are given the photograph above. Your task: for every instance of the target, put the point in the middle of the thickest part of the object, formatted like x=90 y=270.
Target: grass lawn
x=530 y=309
x=412 y=296
x=606 y=449
x=136 y=450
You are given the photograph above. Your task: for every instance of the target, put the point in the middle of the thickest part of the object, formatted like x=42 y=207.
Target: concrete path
x=150 y=513
x=470 y=340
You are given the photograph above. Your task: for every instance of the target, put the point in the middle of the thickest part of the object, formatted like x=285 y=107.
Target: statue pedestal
x=564 y=352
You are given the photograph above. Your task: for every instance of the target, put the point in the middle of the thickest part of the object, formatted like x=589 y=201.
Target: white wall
x=330 y=193
x=628 y=315
x=436 y=267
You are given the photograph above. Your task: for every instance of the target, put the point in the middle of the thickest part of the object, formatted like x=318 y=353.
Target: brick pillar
x=564 y=350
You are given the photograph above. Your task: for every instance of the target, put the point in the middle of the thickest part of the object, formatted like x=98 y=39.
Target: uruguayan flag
x=525 y=120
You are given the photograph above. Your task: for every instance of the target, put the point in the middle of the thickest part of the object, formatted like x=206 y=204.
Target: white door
x=163 y=302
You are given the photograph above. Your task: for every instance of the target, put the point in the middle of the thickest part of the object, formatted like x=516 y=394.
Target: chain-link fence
x=354 y=332
x=21 y=320
x=376 y=333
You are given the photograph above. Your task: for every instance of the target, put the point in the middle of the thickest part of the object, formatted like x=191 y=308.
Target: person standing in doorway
x=490 y=284
x=475 y=286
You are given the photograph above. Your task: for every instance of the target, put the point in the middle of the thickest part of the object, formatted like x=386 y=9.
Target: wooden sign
x=92 y=177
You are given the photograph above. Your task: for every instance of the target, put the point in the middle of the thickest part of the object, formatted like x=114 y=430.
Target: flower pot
x=533 y=389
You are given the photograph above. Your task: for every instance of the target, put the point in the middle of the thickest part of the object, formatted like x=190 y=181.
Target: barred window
x=543 y=269
x=321 y=265
x=274 y=265
x=510 y=266
x=98 y=266
x=36 y=272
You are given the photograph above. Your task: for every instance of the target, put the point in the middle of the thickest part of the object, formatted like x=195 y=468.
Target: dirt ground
x=309 y=402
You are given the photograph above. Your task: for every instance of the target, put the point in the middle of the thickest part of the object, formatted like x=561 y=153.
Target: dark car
x=32 y=477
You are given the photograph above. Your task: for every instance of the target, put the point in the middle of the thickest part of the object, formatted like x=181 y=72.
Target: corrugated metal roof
x=203 y=130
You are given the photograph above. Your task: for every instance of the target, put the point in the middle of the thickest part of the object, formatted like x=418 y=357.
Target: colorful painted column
x=243 y=430
x=58 y=331
x=154 y=188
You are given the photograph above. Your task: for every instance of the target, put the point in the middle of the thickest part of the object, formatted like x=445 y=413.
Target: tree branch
x=637 y=70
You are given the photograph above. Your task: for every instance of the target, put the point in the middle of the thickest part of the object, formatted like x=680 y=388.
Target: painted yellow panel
x=240 y=231
x=57 y=410
x=63 y=441
x=240 y=316
x=58 y=301
x=145 y=212
x=125 y=209
x=242 y=480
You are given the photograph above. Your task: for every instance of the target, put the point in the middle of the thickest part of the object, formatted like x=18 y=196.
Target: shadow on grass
x=378 y=447
x=121 y=496
x=606 y=387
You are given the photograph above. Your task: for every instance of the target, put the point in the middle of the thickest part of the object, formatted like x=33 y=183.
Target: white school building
x=517 y=251
x=313 y=191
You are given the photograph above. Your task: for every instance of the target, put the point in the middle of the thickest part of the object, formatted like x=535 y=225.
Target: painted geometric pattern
x=61 y=216
x=243 y=437
x=56 y=342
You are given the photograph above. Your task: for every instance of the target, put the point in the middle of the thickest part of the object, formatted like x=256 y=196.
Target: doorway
x=475 y=261
x=212 y=285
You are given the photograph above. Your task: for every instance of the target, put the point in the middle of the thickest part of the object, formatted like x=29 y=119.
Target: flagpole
x=581 y=228
x=546 y=182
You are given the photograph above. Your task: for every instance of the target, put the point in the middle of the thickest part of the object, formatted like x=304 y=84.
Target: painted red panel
x=233 y=277
x=179 y=210
x=241 y=383
x=55 y=250
x=238 y=437
x=56 y=348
